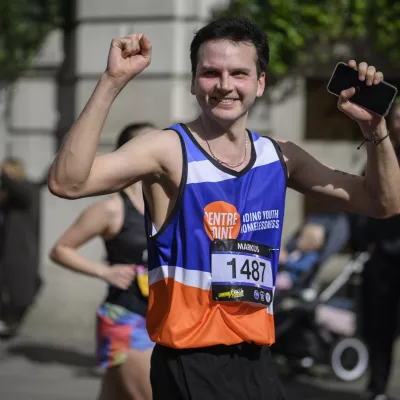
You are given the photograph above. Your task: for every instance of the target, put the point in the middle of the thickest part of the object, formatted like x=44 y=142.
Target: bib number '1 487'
x=241 y=271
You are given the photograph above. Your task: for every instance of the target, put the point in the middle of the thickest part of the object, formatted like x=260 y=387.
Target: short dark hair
x=236 y=30
x=130 y=131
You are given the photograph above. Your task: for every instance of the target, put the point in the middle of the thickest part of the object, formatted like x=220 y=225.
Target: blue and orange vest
x=213 y=202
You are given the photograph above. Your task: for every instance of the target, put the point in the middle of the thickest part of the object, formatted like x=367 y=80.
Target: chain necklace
x=226 y=163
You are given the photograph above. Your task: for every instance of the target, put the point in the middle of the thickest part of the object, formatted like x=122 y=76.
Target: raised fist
x=371 y=76
x=128 y=56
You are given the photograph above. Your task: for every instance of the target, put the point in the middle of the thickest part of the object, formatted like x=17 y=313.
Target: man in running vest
x=215 y=196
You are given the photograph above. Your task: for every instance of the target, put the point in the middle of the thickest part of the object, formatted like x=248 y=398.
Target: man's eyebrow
x=237 y=68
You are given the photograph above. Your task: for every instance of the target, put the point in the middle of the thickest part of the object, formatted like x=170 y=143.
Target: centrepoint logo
x=221 y=220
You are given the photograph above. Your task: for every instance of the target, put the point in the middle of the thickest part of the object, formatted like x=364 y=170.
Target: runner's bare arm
x=376 y=194
x=140 y=158
x=93 y=222
x=76 y=171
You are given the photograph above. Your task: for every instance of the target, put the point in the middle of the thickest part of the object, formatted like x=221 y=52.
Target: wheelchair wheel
x=349 y=359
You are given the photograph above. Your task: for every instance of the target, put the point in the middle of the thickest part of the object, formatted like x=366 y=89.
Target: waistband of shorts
x=219 y=349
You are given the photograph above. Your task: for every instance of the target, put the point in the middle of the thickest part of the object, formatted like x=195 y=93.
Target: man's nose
x=225 y=82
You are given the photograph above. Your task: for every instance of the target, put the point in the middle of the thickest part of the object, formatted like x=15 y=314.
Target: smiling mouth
x=223 y=101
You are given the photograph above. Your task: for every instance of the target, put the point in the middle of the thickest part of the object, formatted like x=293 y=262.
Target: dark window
x=323 y=120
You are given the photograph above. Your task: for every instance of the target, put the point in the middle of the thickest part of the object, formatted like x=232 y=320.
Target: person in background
x=123 y=345
x=309 y=244
x=19 y=245
x=380 y=288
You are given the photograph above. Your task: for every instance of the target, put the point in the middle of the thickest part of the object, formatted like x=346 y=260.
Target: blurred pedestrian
x=19 y=245
x=123 y=344
x=380 y=290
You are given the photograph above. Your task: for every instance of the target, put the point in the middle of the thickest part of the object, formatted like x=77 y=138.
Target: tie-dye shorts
x=119 y=330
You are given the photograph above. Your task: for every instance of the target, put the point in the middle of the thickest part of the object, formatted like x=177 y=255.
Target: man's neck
x=228 y=144
x=210 y=129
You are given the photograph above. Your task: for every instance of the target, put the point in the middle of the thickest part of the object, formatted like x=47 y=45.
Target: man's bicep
x=310 y=177
x=133 y=162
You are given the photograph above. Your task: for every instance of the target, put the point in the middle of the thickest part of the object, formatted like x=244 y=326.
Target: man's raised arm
x=76 y=171
x=378 y=193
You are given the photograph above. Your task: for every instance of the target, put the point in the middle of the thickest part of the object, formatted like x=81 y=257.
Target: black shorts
x=244 y=371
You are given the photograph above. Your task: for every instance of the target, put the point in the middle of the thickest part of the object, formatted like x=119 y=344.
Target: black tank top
x=129 y=246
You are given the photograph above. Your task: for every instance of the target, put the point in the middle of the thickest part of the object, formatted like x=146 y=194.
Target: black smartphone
x=375 y=98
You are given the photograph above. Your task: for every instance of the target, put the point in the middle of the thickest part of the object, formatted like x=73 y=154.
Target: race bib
x=241 y=271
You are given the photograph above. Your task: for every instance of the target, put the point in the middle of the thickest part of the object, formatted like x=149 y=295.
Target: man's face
x=226 y=83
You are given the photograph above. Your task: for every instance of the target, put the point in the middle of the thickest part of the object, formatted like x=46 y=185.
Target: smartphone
x=375 y=98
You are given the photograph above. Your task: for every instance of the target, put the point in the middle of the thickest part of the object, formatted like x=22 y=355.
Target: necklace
x=224 y=162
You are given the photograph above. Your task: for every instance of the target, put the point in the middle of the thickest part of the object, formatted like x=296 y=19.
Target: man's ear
x=261 y=84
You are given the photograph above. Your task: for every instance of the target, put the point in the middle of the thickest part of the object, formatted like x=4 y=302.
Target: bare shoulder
x=111 y=206
x=292 y=154
x=287 y=147
x=101 y=210
x=163 y=145
x=106 y=215
x=167 y=148
x=159 y=137
x=168 y=140
x=151 y=156
x=97 y=219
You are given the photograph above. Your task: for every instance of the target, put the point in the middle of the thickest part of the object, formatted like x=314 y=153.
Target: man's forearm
x=74 y=161
x=382 y=174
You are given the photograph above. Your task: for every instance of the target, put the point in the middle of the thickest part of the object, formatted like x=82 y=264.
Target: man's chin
x=227 y=116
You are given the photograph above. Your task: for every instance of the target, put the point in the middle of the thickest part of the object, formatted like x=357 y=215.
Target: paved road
x=35 y=371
